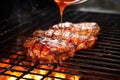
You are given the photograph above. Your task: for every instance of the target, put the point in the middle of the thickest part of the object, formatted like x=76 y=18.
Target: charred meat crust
x=47 y=47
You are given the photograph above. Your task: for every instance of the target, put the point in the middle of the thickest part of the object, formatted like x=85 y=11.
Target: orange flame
x=34 y=74
x=37 y=73
x=61 y=74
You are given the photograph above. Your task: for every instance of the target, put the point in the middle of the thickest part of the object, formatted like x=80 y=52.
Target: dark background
x=12 y=7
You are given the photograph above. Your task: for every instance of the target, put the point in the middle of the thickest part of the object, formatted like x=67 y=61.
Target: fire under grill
x=102 y=62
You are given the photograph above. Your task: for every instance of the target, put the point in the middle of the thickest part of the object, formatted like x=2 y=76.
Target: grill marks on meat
x=48 y=50
x=82 y=35
x=46 y=47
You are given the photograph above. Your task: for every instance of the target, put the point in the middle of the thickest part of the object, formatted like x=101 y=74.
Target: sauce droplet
x=62 y=4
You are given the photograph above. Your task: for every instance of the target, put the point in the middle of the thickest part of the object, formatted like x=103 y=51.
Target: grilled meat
x=60 y=41
x=85 y=28
x=82 y=35
x=48 y=50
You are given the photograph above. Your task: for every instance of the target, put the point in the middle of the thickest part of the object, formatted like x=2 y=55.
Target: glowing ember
x=36 y=74
x=12 y=72
x=62 y=75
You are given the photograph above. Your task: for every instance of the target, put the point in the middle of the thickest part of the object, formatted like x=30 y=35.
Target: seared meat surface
x=61 y=41
x=48 y=50
x=82 y=35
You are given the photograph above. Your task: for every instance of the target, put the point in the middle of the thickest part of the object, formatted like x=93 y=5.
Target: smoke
x=22 y=9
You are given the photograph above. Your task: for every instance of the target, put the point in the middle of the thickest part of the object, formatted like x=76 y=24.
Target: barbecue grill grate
x=99 y=63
